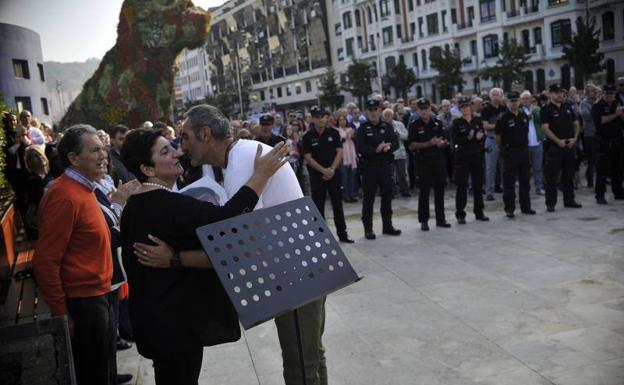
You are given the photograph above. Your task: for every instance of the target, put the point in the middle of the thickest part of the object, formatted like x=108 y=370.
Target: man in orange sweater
x=72 y=260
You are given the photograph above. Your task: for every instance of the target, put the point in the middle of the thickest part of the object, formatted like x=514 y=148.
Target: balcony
x=469 y=63
x=530 y=9
x=461 y=26
x=513 y=13
x=488 y=19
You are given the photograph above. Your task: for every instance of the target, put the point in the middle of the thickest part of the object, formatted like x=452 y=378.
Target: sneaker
x=444 y=225
x=392 y=231
x=573 y=205
x=528 y=211
x=489 y=198
x=601 y=200
x=123 y=378
x=541 y=192
x=424 y=226
x=369 y=235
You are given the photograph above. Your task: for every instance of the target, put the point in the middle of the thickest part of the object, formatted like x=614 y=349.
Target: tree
x=401 y=78
x=330 y=90
x=359 y=79
x=448 y=64
x=509 y=68
x=581 y=52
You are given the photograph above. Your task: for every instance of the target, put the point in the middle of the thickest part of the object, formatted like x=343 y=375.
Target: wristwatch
x=175 y=261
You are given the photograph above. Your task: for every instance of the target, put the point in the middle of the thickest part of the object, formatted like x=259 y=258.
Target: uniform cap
x=423 y=102
x=464 y=102
x=513 y=95
x=317 y=111
x=555 y=88
x=266 y=119
x=373 y=103
x=609 y=88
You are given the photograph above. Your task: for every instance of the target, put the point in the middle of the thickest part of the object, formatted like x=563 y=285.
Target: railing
x=513 y=13
x=466 y=25
x=488 y=19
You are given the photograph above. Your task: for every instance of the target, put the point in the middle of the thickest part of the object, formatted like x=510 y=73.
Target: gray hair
x=72 y=142
x=205 y=115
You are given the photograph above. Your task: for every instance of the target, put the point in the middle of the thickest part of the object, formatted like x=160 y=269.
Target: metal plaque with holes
x=276 y=259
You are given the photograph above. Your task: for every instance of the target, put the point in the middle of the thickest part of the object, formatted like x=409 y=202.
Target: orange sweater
x=73 y=255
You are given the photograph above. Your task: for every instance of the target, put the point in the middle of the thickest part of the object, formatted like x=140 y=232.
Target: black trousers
x=609 y=164
x=432 y=171
x=468 y=164
x=589 y=147
x=559 y=161
x=179 y=368
x=94 y=343
x=516 y=167
x=374 y=176
x=320 y=188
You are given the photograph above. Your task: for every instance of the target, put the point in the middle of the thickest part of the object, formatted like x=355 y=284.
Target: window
x=344 y=79
x=308 y=86
x=565 y=76
x=412 y=29
x=473 y=47
x=410 y=5
x=419 y=92
x=358 y=22
x=490 y=46
x=552 y=3
x=371 y=38
x=41 y=73
x=528 y=80
x=526 y=39
x=432 y=24
x=338 y=29
x=561 y=31
x=44 y=106
x=608 y=27
x=423 y=58
x=359 y=42
x=279 y=92
x=420 y=26
x=397 y=7
x=471 y=15
x=415 y=59
x=349 y=46
x=23 y=103
x=610 y=64
x=288 y=90
x=340 y=54
x=346 y=20
x=476 y=85
x=399 y=31
x=444 y=29
x=20 y=68
x=537 y=35
x=453 y=16
x=370 y=15
x=387 y=36
x=383 y=8
x=488 y=10
x=541 y=80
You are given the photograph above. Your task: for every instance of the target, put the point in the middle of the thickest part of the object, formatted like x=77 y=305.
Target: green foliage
x=359 y=79
x=401 y=78
x=509 y=69
x=581 y=52
x=448 y=64
x=330 y=90
x=3 y=143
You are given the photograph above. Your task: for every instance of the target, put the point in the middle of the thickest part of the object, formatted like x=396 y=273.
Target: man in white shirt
x=206 y=138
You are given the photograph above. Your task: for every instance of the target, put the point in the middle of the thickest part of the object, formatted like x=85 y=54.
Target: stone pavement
x=533 y=300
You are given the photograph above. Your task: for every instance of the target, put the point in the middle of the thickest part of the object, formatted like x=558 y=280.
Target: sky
x=71 y=30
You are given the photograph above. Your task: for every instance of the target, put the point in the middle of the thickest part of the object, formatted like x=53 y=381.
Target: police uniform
x=322 y=147
x=609 y=137
x=376 y=169
x=468 y=156
x=431 y=167
x=560 y=120
x=267 y=119
x=513 y=131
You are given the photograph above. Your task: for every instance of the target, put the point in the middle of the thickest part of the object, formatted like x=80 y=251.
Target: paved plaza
x=534 y=300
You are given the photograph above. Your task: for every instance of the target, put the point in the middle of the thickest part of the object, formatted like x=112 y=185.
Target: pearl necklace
x=157 y=185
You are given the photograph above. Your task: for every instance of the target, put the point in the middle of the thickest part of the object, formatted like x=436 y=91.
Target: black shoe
x=344 y=238
x=528 y=211
x=444 y=225
x=392 y=231
x=498 y=189
x=123 y=344
x=489 y=198
x=406 y=195
x=461 y=221
x=510 y=214
x=573 y=205
x=424 y=226
x=550 y=209
x=123 y=378
x=369 y=235
x=619 y=197
x=482 y=218
x=601 y=201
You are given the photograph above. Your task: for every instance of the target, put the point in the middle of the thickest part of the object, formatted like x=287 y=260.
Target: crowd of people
x=113 y=214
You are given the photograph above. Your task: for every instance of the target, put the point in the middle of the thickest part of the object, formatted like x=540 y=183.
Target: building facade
x=191 y=81
x=22 y=74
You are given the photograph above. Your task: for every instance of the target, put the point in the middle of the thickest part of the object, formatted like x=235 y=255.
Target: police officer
x=322 y=150
x=608 y=118
x=265 y=131
x=562 y=130
x=375 y=142
x=427 y=137
x=512 y=135
x=468 y=136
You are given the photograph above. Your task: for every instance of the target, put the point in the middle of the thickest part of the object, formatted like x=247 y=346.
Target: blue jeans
x=537 y=158
x=491 y=162
x=349 y=187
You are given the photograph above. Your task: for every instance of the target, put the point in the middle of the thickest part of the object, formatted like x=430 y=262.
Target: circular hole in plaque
x=256 y=297
x=252 y=238
x=236 y=289
x=267 y=293
x=242 y=272
x=317 y=244
x=222 y=233
x=308 y=248
x=230 y=276
x=334 y=252
x=304 y=263
x=284 y=228
x=307 y=208
x=280 y=243
x=278 y=288
x=311 y=275
x=249 y=285
x=267 y=220
x=217 y=250
x=211 y=238
x=241 y=242
x=260 y=280
x=288 y=214
x=298 y=211
x=304 y=221
x=324 y=255
x=311 y=233
x=254 y=267
x=340 y=264
x=236 y=258
x=327 y=241
x=223 y=262
x=278 y=217
x=274 y=232
x=276 y=259
x=228 y=246
x=234 y=230
x=265 y=264
x=294 y=225
x=294 y=268
x=297 y=251
x=314 y=219
x=314 y=259
x=272 y=276
x=245 y=226
x=287 y=255
x=244 y=302
x=301 y=236
x=321 y=230
x=291 y=240
x=247 y=254
x=330 y=268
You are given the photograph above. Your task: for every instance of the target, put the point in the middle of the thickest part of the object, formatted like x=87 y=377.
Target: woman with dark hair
x=38 y=168
x=176 y=312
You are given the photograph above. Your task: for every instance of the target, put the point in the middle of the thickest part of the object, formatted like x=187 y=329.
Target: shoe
x=369 y=235
x=489 y=198
x=618 y=197
x=392 y=231
x=123 y=344
x=123 y=378
x=354 y=200
x=482 y=218
x=444 y=225
x=424 y=226
x=528 y=211
x=510 y=214
x=573 y=205
x=550 y=209
x=590 y=184
x=461 y=221
x=541 y=192
x=406 y=195
x=601 y=201
x=498 y=189
x=344 y=238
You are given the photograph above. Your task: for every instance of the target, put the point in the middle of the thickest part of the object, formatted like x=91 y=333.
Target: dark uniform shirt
x=273 y=140
x=491 y=114
x=422 y=132
x=322 y=147
x=613 y=129
x=460 y=129
x=513 y=129
x=367 y=139
x=560 y=120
